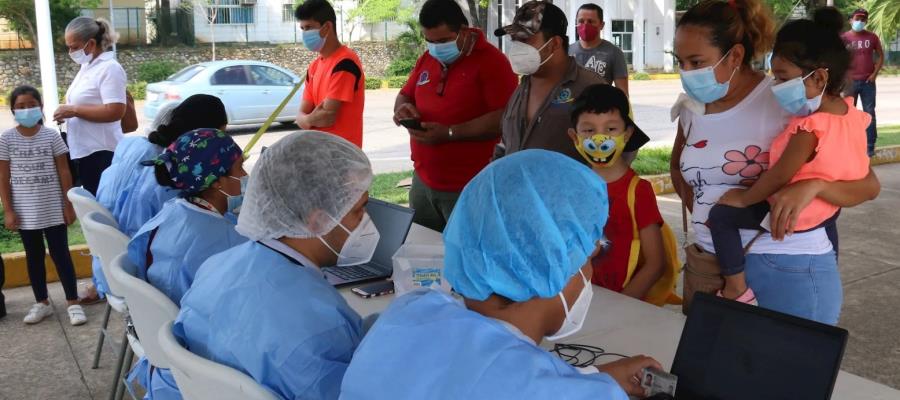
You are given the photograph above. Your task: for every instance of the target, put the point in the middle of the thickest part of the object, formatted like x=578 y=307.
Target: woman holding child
x=727 y=124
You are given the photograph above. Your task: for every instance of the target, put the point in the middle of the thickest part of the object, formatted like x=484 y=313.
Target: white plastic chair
x=84 y=203
x=149 y=308
x=107 y=242
x=201 y=379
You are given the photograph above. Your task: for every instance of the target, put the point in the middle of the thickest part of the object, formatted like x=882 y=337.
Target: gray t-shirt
x=605 y=60
x=36 y=192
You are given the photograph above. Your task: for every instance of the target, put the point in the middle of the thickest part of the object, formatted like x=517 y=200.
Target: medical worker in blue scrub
x=518 y=250
x=205 y=167
x=130 y=191
x=264 y=307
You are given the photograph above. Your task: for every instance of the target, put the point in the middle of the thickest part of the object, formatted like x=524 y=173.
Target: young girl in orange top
x=826 y=140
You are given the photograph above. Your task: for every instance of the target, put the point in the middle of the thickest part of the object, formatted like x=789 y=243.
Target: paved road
x=388 y=145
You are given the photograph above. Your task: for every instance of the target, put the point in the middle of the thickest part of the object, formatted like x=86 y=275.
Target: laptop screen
x=393 y=224
x=734 y=351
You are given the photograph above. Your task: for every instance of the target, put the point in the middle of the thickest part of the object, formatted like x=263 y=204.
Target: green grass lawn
x=888 y=135
x=11 y=242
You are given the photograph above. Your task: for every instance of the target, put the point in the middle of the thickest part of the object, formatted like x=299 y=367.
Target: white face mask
x=524 y=59
x=360 y=245
x=575 y=318
x=80 y=57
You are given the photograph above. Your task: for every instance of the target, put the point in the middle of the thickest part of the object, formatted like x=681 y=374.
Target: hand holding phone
x=412 y=123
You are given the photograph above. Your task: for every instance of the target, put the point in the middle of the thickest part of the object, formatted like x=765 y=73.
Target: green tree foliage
x=884 y=18
x=410 y=44
x=374 y=11
x=21 y=17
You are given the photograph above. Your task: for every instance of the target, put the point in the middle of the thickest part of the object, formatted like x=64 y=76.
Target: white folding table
x=620 y=324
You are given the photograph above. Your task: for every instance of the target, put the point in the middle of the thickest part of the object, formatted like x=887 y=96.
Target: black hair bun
x=829 y=19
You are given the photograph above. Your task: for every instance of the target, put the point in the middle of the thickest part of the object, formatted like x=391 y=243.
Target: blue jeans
x=806 y=286
x=866 y=91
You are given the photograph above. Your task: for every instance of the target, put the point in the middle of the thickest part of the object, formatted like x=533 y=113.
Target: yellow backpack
x=663 y=292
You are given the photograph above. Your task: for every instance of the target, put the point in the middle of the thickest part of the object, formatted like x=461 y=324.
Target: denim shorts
x=807 y=286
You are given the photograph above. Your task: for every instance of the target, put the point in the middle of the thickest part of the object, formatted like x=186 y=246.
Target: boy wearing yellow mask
x=636 y=262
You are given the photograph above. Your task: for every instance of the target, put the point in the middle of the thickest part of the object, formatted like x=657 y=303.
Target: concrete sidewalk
x=52 y=360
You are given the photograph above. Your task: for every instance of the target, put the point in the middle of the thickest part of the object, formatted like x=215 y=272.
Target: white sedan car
x=250 y=90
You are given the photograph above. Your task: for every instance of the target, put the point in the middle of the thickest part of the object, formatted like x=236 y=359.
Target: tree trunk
x=164 y=23
x=478 y=13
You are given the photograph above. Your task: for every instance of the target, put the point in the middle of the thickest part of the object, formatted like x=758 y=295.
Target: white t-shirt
x=727 y=148
x=100 y=82
x=36 y=192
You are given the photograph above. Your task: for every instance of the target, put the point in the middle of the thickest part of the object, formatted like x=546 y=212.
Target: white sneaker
x=37 y=313
x=76 y=315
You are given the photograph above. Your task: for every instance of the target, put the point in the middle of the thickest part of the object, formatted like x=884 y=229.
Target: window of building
x=287 y=13
x=231 y=12
x=622 y=34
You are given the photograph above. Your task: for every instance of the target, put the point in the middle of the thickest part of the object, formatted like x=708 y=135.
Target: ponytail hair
x=99 y=29
x=162 y=176
x=816 y=43
x=745 y=22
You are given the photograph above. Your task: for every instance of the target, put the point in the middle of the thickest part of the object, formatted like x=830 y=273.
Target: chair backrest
x=105 y=242
x=149 y=308
x=199 y=378
x=84 y=203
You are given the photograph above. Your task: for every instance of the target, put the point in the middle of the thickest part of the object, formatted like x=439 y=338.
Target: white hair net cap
x=524 y=226
x=302 y=186
x=163 y=116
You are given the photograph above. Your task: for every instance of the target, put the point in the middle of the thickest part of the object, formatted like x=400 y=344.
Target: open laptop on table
x=729 y=350
x=393 y=223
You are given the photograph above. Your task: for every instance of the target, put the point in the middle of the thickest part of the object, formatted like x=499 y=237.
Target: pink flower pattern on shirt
x=750 y=163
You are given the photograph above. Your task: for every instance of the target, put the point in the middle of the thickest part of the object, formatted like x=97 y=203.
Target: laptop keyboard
x=352 y=273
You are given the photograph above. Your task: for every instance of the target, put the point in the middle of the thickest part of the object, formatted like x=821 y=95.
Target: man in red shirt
x=457 y=91
x=864 y=46
x=334 y=97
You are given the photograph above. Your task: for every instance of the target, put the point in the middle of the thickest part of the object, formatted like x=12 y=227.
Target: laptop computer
x=734 y=351
x=393 y=223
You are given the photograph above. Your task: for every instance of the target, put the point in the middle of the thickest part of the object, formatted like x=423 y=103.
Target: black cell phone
x=412 y=123
x=375 y=289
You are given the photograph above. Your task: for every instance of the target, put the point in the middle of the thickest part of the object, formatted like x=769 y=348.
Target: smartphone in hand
x=412 y=123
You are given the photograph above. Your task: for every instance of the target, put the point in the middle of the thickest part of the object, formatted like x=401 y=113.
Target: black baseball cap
x=533 y=17
x=606 y=97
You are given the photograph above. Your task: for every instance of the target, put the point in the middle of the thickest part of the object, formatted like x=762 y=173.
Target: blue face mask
x=446 y=53
x=858 y=26
x=792 y=97
x=701 y=84
x=28 y=117
x=235 y=201
x=312 y=40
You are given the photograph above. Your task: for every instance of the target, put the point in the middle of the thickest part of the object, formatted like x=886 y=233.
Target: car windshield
x=186 y=74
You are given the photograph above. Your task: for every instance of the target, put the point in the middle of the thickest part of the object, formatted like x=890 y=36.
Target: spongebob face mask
x=601 y=150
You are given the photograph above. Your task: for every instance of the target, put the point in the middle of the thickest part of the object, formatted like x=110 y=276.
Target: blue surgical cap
x=524 y=226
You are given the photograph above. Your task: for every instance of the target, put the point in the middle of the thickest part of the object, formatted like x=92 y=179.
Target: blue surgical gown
x=116 y=182
x=427 y=345
x=272 y=317
x=186 y=236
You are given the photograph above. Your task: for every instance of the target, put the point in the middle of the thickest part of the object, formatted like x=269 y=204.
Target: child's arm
x=11 y=220
x=654 y=261
x=65 y=182
x=800 y=149
x=684 y=191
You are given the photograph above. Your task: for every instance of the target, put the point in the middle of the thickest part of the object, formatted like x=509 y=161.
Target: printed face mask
x=601 y=150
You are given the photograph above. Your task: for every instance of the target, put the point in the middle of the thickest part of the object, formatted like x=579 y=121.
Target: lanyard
x=203 y=203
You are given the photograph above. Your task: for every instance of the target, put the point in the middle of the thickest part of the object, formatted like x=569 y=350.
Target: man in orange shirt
x=335 y=85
